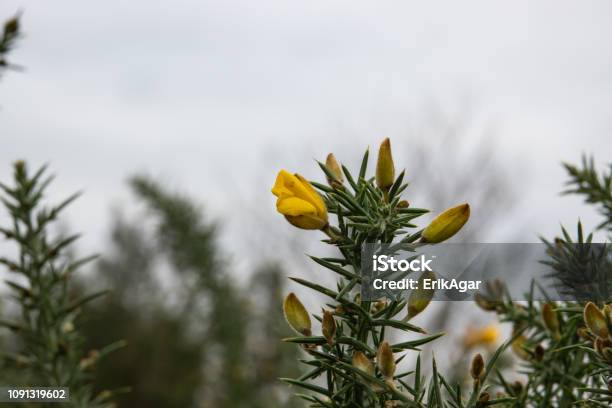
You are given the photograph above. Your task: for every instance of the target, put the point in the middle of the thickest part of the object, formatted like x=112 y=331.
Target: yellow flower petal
x=315 y=198
x=280 y=188
x=295 y=206
x=299 y=202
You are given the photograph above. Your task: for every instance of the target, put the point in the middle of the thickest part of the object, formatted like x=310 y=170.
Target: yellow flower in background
x=486 y=336
x=298 y=201
x=446 y=224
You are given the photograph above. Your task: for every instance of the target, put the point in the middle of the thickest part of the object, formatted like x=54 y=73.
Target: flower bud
x=334 y=167
x=477 y=367
x=296 y=315
x=446 y=224
x=483 y=399
x=584 y=334
x=298 y=201
x=328 y=327
x=379 y=305
x=484 y=303
x=11 y=27
x=67 y=327
x=386 y=360
x=595 y=320
x=363 y=363
x=90 y=360
x=403 y=204
x=517 y=387
x=538 y=352
x=385 y=170
x=420 y=298
x=551 y=321
x=518 y=346
x=20 y=166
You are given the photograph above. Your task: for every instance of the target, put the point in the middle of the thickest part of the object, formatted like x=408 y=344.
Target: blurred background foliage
x=195 y=337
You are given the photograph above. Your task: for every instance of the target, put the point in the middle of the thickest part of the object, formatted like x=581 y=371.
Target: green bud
x=403 y=204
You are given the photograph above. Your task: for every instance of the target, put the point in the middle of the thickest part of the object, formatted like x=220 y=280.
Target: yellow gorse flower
x=298 y=201
x=486 y=336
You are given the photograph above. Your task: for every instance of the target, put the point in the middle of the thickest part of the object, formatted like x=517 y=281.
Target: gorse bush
x=50 y=351
x=565 y=347
x=351 y=363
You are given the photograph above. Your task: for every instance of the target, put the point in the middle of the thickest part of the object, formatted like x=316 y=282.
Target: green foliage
x=50 y=350
x=596 y=189
x=352 y=366
x=564 y=347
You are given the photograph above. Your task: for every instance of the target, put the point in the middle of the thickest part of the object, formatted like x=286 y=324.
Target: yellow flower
x=298 y=201
x=486 y=336
x=446 y=224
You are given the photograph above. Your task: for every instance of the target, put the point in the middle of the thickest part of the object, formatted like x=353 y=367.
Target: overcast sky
x=216 y=96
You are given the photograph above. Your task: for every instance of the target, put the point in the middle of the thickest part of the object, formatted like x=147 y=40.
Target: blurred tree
x=10 y=33
x=195 y=338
